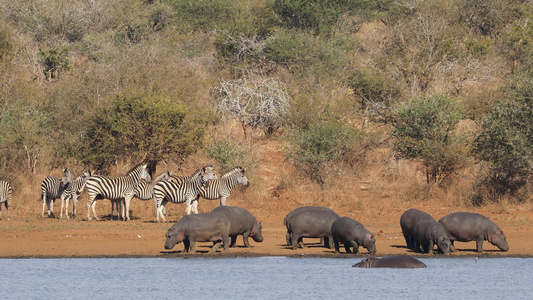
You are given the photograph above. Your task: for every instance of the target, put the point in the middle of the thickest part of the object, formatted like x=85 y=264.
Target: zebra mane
x=161 y=176
x=233 y=171
x=139 y=166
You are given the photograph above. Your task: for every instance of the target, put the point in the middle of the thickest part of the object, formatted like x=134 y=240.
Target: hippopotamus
x=398 y=261
x=429 y=233
x=205 y=227
x=466 y=227
x=242 y=222
x=309 y=222
x=352 y=233
x=408 y=222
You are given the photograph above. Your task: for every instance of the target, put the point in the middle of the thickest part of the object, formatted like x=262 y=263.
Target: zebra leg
x=127 y=201
x=89 y=202
x=74 y=204
x=188 y=208
x=44 y=203
x=7 y=208
x=195 y=206
x=63 y=199
x=93 y=208
x=51 y=209
x=223 y=201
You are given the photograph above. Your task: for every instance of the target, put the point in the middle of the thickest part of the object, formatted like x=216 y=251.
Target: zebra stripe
x=6 y=193
x=73 y=192
x=144 y=191
x=53 y=188
x=115 y=188
x=179 y=192
x=221 y=188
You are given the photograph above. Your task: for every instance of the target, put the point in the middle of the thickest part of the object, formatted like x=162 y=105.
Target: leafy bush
x=313 y=150
x=375 y=92
x=424 y=129
x=138 y=127
x=54 y=60
x=506 y=139
x=226 y=154
x=204 y=14
x=305 y=54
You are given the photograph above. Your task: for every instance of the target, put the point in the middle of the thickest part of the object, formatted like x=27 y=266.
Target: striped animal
x=53 y=188
x=144 y=191
x=220 y=188
x=6 y=193
x=184 y=191
x=73 y=192
x=115 y=188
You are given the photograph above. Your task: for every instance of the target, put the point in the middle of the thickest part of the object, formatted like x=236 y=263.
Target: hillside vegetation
x=412 y=100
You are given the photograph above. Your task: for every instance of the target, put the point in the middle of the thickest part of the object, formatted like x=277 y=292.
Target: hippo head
x=498 y=239
x=256 y=232
x=174 y=236
x=370 y=243
x=444 y=244
x=365 y=263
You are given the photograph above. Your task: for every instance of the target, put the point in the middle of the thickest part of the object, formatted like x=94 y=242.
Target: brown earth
x=377 y=205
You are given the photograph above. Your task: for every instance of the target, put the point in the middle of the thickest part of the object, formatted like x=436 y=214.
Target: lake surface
x=262 y=278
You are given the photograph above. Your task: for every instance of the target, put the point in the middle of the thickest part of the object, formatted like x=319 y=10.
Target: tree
x=322 y=144
x=254 y=103
x=424 y=129
x=139 y=127
x=506 y=138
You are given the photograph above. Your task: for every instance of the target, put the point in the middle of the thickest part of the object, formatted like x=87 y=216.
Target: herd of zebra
x=136 y=183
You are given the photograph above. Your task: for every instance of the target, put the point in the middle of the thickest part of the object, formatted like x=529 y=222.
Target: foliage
x=54 y=60
x=321 y=145
x=6 y=42
x=375 y=92
x=226 y=154
x=138 y=127
x=258 y=104
x=506 y=138
x=204 y=14
x=304 y=54
x=424 y=129
x=320 y=16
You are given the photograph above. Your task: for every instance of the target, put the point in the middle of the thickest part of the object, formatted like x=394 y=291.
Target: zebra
x=115 y=188
x=74 y=191
x=6 y=193
x=220 y=188
x=186 y=190
x=144 y=191
x=53 y=188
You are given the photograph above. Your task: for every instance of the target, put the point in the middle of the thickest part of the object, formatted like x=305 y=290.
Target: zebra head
x=207 y=173
x=140 y=172
x=67 y=177
x=241 y=177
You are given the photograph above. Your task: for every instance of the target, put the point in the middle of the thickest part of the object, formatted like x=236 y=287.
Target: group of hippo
x=421 y=231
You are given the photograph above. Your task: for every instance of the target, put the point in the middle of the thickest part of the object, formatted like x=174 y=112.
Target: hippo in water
x=408 y=222
x=309 y=222
x=429 y=233
x=466 y=227
x=242 y=222
x=351 y=233
x=398 y=261
x=206 y=227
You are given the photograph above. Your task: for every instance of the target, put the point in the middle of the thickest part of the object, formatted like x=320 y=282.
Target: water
x=262 y=278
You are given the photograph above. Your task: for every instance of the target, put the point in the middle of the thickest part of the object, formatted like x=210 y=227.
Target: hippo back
x=240 y=220
x=311 y=221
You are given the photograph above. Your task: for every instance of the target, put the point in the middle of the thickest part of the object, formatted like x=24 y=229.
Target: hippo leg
x=215 y=247
x=288 y=238
x=347 y=248
x=328 y=242
x=192 y=243
x=301 y=242
x=225 y=240
x=355 y=247
x=233 y=241
x=452 y=246
x=187 y=245
x=479 y=244
x=336 y=245
x=245 y=236
x=295 y=241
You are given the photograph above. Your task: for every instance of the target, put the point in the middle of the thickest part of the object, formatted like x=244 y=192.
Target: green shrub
x=506 y=139
x=313 y=150
x=226 y=154
x=204 y=14
x=138 y=127
x=424 y=129
x=54 y=60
